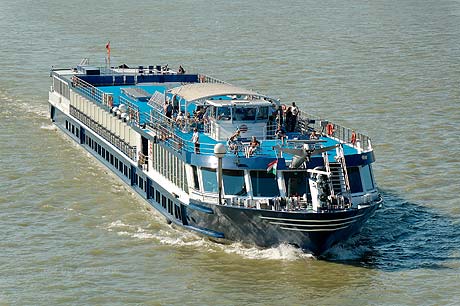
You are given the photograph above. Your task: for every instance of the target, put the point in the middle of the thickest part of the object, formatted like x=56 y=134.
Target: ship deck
x=207 y=143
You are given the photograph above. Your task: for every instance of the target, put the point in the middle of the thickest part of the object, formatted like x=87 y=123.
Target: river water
x=72 y=234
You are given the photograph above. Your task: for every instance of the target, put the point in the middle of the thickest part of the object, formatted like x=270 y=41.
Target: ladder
x=84 y=61
x=339 y=183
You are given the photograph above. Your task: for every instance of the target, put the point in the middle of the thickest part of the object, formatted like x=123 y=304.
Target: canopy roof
x=198 y=91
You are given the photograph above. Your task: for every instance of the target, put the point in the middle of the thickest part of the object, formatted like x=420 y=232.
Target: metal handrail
x=307 y=123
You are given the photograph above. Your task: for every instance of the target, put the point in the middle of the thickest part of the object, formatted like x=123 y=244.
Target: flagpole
x=107 y=46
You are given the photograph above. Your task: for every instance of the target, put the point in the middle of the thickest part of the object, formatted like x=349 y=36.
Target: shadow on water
x=402 y=235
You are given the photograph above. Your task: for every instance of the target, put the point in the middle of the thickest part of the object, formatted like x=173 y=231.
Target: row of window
x=264 y=184
x=168 y=204
x=61 y=87
x=170 y=166
x=72 y=129
x=113 y=160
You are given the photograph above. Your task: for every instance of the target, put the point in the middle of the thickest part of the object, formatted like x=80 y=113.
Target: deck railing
x=165 y=127
x=307 y=123
x=116 y=141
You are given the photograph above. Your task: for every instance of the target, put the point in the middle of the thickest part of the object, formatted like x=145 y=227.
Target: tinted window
x=209 y=180
x=296 y=183
x=355 y=180
x=264 y=184
x=234 y=182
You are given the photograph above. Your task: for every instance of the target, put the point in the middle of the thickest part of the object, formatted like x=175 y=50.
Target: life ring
x=330 y=129
x=353 y=138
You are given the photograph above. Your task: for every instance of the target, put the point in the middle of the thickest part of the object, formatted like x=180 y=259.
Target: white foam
x=118 y=224
x=282 y=252
x=48 y=127
x=179 y=238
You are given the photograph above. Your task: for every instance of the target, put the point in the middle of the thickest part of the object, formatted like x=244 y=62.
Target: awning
x=198 y=91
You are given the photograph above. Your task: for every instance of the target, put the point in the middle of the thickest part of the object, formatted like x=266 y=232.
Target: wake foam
x=48 y=127
x=282 y=252
x=178 y=238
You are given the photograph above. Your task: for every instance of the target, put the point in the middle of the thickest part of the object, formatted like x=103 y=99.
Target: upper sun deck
x=214 y=107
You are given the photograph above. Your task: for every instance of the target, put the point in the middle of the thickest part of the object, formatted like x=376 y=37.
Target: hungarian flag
x=107 y=46
x=271 y=168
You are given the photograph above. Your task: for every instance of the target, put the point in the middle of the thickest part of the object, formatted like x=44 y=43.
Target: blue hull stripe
x=201 y=208
x=205 y=231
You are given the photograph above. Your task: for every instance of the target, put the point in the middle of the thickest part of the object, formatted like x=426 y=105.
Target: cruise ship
x=226 y=162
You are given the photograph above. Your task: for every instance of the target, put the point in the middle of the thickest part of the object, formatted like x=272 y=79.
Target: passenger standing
x=196 y=140
x=279 y=115
x=289 y=118
x=168 y=110
x=295 y=113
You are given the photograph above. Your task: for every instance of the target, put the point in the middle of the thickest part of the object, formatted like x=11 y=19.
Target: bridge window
x=295 y=182
x=367 y=177
x=234 y=182
x=209 y=179
x=224 y=113
x=262 y=113
x=196 y=185
x=245 y=114
x=264 y=184
x=355 y=180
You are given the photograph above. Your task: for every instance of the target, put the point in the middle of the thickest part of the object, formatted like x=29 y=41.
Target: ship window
x=157 y=196
x=111 y=159
x=141 y=183
x=170 y=206
x=116 y=163
x=224 y=113
x=262 y=113
x=234 y=182
x=66 y=125
x=245 y=114
x=264 y=184
x=296 y=183
x=367 y=177
x=163 y=201
x=196 y=184
x=125 y=168
x=152 y=192
x=177 y=212
x=73 y=129
x=77 y=132
x=103 y=152
x=209 y=179
x=355 y=180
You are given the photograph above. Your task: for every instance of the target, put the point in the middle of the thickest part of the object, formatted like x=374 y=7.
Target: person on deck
x=168 y=110
x=196 y=140
x=280 y=133
x=313 y=135
x=233 y=141
x=253 y=145
x=295 y=113
x=289 y=118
